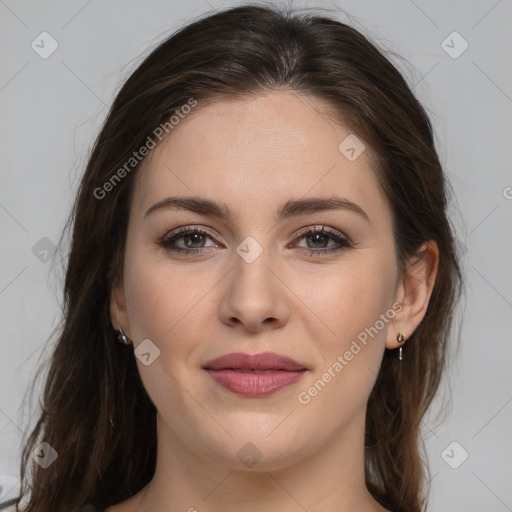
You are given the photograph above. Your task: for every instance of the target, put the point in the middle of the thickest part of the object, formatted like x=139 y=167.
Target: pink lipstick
x=254 y=375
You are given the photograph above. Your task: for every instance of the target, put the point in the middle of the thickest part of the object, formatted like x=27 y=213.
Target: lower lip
x=255 y=384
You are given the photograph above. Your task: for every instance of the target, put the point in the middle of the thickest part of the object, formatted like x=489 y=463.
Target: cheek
x=161 y=300
x=164 y=303
x=349 y=298
x=354 y=303
x=160 y=296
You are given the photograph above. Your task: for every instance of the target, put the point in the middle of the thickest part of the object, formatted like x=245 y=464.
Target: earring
x=401 y=339
x=122 y=338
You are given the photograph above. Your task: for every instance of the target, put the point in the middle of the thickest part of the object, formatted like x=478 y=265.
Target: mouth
x=254 y=375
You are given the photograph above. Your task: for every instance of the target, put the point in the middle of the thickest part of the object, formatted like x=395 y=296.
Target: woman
x=262 y=226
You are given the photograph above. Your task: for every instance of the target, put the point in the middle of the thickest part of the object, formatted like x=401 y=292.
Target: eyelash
x=167 y=241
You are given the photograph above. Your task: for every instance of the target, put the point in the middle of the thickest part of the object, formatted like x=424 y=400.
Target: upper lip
x=261 y=361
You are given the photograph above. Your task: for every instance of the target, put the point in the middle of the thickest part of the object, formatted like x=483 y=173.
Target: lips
x=254 y=375
x=253 y=362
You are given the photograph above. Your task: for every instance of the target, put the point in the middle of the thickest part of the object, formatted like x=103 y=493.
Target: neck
x=330 y=478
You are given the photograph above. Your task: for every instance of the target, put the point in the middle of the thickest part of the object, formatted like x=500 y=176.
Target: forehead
x=258 y=151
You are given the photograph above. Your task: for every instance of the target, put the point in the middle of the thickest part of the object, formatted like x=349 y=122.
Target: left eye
x=322 y=237
x=194 y=238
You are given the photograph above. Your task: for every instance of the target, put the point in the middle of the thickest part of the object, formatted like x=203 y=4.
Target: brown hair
x=95 y=411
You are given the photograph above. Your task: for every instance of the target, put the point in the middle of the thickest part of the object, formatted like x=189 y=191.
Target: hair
x=95 y=411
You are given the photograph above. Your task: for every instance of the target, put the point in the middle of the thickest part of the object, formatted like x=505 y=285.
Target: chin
x=253 y=450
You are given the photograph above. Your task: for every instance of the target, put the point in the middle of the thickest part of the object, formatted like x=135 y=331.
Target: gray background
x=51 y=109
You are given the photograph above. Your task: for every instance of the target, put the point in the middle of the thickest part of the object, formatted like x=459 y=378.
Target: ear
x=414 y=292
x=118 y=314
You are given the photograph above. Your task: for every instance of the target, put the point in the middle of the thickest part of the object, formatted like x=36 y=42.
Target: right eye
x=191 y=236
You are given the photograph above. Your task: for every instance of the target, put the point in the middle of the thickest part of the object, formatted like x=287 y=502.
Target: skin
x=255 y=155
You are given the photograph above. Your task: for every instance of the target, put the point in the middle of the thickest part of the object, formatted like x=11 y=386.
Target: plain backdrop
x=53 y=107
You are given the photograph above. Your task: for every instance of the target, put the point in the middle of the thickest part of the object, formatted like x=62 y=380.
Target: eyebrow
x=292 y=208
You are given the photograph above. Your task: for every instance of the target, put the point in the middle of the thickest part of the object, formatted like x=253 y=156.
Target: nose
x=254 y=297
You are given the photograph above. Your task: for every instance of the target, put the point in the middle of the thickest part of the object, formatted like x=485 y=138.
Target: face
x=263 y=279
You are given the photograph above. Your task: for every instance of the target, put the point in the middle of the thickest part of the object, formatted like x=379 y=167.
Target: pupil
x=195 y=238
x=317 y=238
